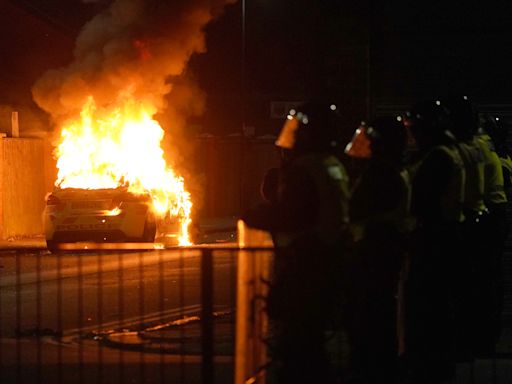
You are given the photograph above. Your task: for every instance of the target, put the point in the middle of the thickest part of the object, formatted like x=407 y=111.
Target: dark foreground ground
x=123 y=357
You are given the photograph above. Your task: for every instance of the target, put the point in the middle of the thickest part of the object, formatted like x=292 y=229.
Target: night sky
x=366 y=57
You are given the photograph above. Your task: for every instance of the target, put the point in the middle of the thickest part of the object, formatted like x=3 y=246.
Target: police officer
x=464 y=124
x=497 y=131
x=489 y=282
x=437 y=203
x=379 y=212
x=308 y=221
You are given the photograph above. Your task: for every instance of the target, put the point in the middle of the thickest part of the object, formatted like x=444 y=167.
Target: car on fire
x=98 y=215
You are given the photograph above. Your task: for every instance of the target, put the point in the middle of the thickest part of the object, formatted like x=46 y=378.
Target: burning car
x=99 y=215
x=113 y=182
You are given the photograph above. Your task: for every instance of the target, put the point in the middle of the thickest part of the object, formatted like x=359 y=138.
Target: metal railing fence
x=182 y=315
x=152 y=316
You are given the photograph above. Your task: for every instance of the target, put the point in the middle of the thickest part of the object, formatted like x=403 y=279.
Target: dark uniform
x=506 y=166
x=464 y=124
x=437 y=203
x=499 y=135
x=489 y=280
x=308 y=223
x=379 y=212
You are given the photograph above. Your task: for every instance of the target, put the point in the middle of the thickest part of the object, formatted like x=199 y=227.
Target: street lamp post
x=243 y=111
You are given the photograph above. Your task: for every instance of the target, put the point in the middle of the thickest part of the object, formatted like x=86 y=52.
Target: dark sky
x=296 y=49
x=460 y=47
x=416 y=50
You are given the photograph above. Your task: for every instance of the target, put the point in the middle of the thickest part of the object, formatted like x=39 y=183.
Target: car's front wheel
x=149 y=233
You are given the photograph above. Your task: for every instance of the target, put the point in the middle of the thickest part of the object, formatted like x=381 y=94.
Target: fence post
x=251 y=318
x=207 y=368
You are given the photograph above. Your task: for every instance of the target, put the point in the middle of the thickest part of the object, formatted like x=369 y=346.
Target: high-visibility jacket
x=494 y=192
x=473 y=159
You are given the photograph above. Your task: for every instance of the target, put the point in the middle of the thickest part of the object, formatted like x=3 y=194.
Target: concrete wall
x=23 y=187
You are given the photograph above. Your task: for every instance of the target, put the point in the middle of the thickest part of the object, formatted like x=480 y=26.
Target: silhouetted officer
x=498 y=132
x=437 y=203
x=308 y=222
x=474 y=246
x=379 y=213
x=489 y=280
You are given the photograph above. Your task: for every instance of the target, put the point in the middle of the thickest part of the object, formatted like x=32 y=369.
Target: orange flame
x=120 y=146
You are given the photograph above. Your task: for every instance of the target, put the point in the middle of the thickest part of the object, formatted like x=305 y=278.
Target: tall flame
x=129 y=62
x=118 y=146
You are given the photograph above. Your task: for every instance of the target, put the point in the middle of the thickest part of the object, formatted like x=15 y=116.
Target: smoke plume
x=136 y=51
x=131 y=50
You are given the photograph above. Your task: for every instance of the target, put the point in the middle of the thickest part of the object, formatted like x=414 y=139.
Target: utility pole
x=243 y=107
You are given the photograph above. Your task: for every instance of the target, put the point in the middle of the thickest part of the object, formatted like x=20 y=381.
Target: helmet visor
x=359 y=146
x=287 y=137
x=411 y=143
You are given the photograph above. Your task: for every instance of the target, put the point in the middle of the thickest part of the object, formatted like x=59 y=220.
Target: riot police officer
x=464 y=124
x=308 y=221
x=437 y=203
x=498 y=132
x=489 y=280
x=379 y=213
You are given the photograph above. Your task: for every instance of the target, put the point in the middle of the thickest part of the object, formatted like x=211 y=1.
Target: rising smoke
x=135 y=50
x=132 y=49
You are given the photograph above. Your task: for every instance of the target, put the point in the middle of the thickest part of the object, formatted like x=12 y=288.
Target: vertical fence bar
x=80 y=319
x=161 y=306
x=100 y=316
x=39 y=328
x=120 y=300
x=233 y=296
x=59 y=317
x=181 y=293
x=18 y=318
x=141 y=315
x=253 y=271
x=242 y=319
x=207 y=368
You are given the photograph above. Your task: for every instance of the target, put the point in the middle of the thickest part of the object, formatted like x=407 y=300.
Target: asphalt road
x=55 y=310
x=63 y=307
